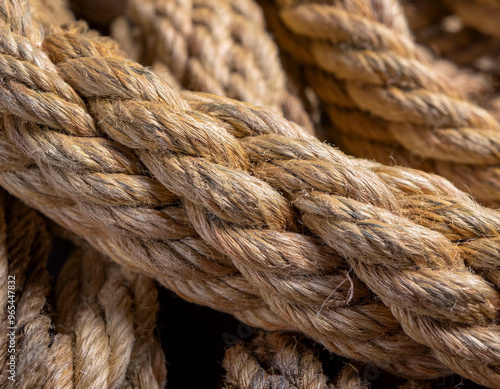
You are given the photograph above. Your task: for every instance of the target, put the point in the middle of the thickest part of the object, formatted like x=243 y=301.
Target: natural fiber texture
x=219 y=47
x=25 y=328
x=276 y=360
x=110 y=315
x=105 y=316
x=218 y=220
x=363 y=63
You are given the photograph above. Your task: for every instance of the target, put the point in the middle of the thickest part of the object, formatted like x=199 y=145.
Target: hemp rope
x=24 y=248
x=255 y=213
x=105 y=316
x=363 y=63
x=110 y=314
x=280 y=360
x=219 y=47
x=465 y=47
x=277 y=360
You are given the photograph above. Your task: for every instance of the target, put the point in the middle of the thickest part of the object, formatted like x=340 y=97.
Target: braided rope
x=370 y=57
x=245 y=189
x=219 y=47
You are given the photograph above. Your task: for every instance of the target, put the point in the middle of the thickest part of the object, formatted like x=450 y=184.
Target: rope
x=245 y=189
x=25 y=327
x=105 y=316
x=227 y=164
x=375 y=73
x=278 y=360
x=281 y=360
x=219 y=47
x=110 y=315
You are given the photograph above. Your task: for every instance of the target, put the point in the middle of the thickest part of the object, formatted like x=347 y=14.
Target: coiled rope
x=99 y=332
x=245 y=189
x=388 y=101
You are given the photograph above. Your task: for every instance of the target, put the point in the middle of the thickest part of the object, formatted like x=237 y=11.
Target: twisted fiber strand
x=49 y=357
x=261 y=215
x=278 y=360
x=376 y=67
x=110 y=314
x=282 y=360
x=25 y=246
x=219 y=47
x=185 y=185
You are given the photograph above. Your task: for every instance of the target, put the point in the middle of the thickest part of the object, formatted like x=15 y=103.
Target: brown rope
x=281 y=360
x=277 y=360
x=219 y=47
x=110 y=314
x=25 y=329
x=374 y=72
x=105 y=315
x=406 y=234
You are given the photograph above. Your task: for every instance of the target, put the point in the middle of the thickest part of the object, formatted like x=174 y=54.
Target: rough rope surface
x=363 y=64
x=104 y=316
x=110 y=315
x=228 y=178
x=220 y=47
x=24 y=249
x=276 y=360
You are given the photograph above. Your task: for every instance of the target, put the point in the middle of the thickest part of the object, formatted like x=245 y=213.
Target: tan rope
x=110 y=314
x=219 y=47
x=25 y=328
x=105 y=316
x=230 y=165
x=281 y=360
x=369 y=55
x=277 y=360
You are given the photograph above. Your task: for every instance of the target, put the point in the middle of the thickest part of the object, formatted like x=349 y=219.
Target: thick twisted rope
x=105 y=316
x=219 y=47
x=110 y=315
x=277 y=360
x=25 y=327
x=364 y=65
x=281 y=360
x=395 y=232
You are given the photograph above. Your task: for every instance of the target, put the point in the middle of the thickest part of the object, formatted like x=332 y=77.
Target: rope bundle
x=100 y=331
x=234 y=207
x=365 y=67
x=219 y=47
